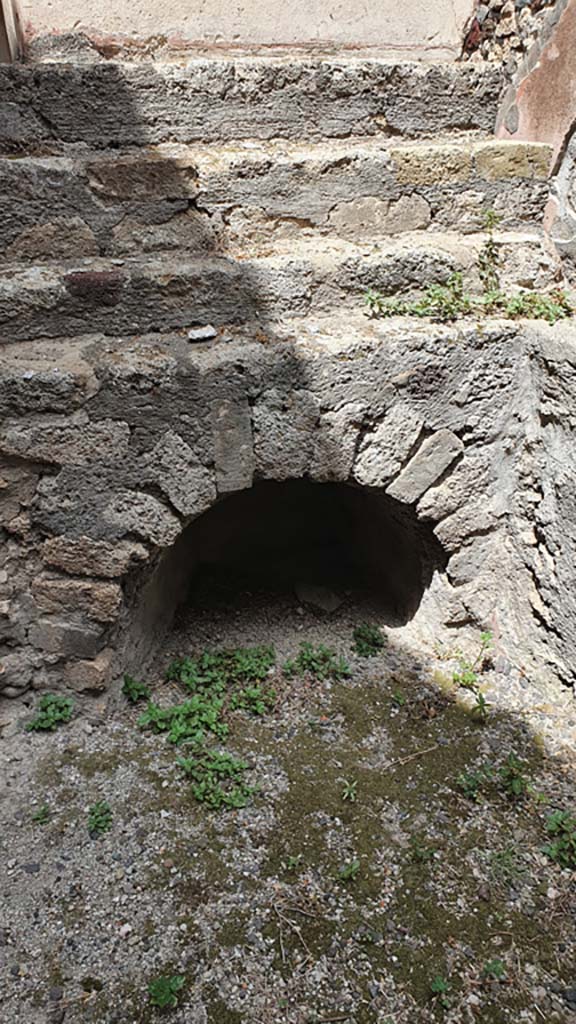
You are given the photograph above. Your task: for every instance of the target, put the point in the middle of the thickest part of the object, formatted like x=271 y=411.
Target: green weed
x=42 y=815
x=216 y=670
x=481 y=707
x=319 y=661
x=439 y=989
x=253 y=699
x=472 y=783
x=348 y=872
x=52 y=711
x=449 y=302
x=512 y=779
x=420 y=852
x=99 y=819
x=562 y=849
x=217 y=779
x=135 y=691
x=350 y=791
x=368 y=640
x=506 y=865
x=466 y=675
x=163 y=991
x=494 y=970
x=186 y=722
x=293 y=862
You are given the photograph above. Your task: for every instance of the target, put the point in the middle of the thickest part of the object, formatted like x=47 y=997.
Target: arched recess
x=285 y=533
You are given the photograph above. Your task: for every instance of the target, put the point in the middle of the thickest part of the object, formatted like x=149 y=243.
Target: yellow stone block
x=500 y=160
x=432 y=165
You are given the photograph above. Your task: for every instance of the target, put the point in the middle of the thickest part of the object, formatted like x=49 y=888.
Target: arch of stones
x=110 y=448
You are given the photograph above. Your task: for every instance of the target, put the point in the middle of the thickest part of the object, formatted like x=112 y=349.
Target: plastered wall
x=414 y=28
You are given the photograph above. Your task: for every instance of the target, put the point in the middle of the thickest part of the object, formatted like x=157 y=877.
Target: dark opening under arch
x=281 y=533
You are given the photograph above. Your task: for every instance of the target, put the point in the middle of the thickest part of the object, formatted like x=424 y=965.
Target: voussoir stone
x=144 y=515
x=434 y=456
x=233 y=444
x=179 y=473
x=386 y=448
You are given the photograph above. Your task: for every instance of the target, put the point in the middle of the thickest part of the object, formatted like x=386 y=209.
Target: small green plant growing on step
x=99 y=819
x=398 y=698
x=42 y=815
x=562 y=826
x=135 y=691
x=512 y=780
x=447 y=302
x=439 y=990
x=368 y=640
x=164 y=991
x=350 y=790
x=217 y=779
x=494 y=970
x=319 y=661
x=53 y=710
x=348 y=872
x=253 y=699
x=466 y=675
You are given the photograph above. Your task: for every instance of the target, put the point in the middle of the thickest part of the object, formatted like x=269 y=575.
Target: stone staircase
x=156 y=197
x=262 y=196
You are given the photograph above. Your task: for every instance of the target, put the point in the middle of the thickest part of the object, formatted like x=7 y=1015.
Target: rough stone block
x=178 y=472
x=144 y=515
x=65 y=442
x=137 y=177
x=386 y=448
x=83 y=556
x=233 y=445
x=432 y=165
x=91 y=675
x=65 y=639
x=98 y=600
x=498 y=161
x=284 y=425
x=64 y=238
x=434 y=456
x=335 y=443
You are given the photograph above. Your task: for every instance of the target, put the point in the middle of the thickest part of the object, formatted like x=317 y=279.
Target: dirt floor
x=389 y=864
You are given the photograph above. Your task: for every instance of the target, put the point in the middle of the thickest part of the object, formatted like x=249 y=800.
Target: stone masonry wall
x=109 y=448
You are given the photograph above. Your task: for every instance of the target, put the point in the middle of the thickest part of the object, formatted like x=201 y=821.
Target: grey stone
x=217 y=100
x=385 y=448
x=202 y=333
x=318 y=596
x=187 y=483
x=434 y=456
x=233 y=445
x=144 y=515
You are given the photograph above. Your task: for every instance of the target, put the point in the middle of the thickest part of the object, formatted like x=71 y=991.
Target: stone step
x=202 y=199
x=310 y=275
x=46 y=107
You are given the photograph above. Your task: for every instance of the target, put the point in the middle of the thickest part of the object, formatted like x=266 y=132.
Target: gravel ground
x=249 y=906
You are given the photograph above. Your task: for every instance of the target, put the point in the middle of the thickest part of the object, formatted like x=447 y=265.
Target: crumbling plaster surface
x=416 y=29
x=561 y=214
x=110 y=448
